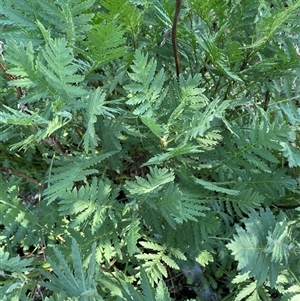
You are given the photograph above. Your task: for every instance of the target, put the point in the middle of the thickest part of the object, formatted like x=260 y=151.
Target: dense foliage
x=123 y=177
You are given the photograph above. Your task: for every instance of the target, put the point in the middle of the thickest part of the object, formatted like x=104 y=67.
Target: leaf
x=14 y=264
x=73 y=282
x=204 y=258
x=97 y=106
x=146 y=92
x=154 y=127
x=147 y=288
x=91 y=202
x=201 y=122
x=257 y=253
x=180 y=150
x=78 y=169
x=279 y=244
x=275 y=186
x=155 y=261
x=292 y=293
x=217 y=57
x=51 y=73
x=60 y=69
x=21 y=17
x=105 y=43
x=155 y=181
x=263 y=138
x=214 y=187
x=188 y=209
x=78 y=265
x=128 y=14
x=245 y=292
x=243 y=202
x=268 y=26
x=162 y=293
x=167 y=204
x=292 y=154
x=131 y=235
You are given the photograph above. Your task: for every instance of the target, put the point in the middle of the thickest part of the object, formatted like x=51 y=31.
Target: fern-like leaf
x=21 y=17
x=162 y=293
x=15 y=274
x=261 y=246
x=168 y=202
x=147 y=288
x=70 y=17
x=272 y=186
x=131 y=234
x=217 y=57
x=75 y=282
x=91 y=202
x=216 y=187
x=292 y=154
x=262 y=137
x=252 y=292
x=60 y=70
x=14 y=264
x=243 y=202
x=153 y=126
x=156 y=180
x=105 y=43
x=201 y=122
x=146 y=93
x=54 y=72
x=121 y=287
x=122 y=12
x=44 y=128
x=183 y=149
x=78 y=169
x=155 y=261
x=292 y=293
x=163 y=197
x=96 y=106
x=268 y=26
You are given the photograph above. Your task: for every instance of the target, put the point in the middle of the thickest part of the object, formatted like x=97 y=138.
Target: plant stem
x=10 y=77
x=174 y=35
x=21 y=175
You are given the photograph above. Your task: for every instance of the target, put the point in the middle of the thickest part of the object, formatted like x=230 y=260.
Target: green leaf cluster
x=120 y=180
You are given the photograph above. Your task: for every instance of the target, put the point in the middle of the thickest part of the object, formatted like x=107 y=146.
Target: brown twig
x=174 y=35
x=11 y=77
x=267 y=100
x=21 y=175
x=287 y=206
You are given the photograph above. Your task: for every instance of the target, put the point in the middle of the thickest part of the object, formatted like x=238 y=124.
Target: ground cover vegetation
x=149 y=150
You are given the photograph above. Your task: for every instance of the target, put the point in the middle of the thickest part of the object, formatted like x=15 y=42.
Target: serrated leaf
x=147 y=288
x=156 y=179
x=250 y=247
x=96 y=106
x=132 y=235
x=146 y=93
x=14 y=264
x=204 y=258
x=73 y=282
x=292 y=154
x=162 y=293
x=105 y=43
x=180 y=150
x=153 y=126
x=246 y=291
x=214 y=187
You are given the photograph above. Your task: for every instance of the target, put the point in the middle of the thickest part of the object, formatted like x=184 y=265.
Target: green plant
x=174 y=183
